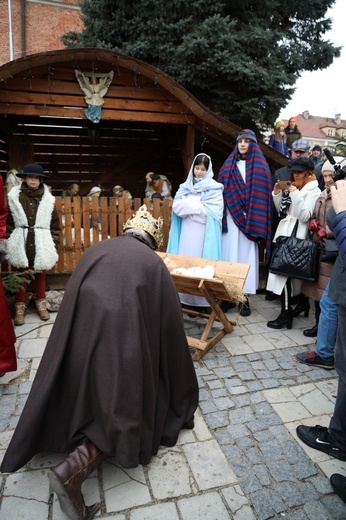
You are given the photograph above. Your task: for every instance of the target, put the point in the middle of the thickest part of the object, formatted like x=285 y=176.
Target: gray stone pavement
x=242 y=461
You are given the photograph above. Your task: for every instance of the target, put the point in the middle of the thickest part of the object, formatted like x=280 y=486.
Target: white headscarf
x=208 y=188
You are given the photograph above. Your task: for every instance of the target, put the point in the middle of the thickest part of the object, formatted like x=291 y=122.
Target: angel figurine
x=94 y=88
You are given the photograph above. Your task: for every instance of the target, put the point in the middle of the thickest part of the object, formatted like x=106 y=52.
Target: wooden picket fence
x=85 y=223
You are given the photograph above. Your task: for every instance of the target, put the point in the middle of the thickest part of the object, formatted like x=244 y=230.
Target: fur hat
x=301 y=164
x=142 y=219
x=32 y=169
x=247 y=134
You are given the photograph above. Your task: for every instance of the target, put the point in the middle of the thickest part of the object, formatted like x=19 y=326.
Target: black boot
x=244 y=308
x=270 y=296
x=312 y=333
x=226 y=305
x=302 y=306
x=285 y=317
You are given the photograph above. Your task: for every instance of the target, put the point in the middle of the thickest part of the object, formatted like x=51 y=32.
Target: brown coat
x=117 y=367
x=314 y=290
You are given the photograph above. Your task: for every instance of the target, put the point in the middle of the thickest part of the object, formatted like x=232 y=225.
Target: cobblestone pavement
x=242 y=461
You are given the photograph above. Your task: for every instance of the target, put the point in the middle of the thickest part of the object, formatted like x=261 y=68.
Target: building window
x=343 y=134
x=330 y=132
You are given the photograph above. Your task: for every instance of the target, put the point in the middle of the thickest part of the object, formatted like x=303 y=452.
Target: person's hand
x=276 y=188
x=321 y=233
x=292 y=188
x=338 y=193
x=314 y=225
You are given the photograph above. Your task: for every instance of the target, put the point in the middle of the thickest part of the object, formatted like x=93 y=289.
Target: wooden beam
x=114 y=115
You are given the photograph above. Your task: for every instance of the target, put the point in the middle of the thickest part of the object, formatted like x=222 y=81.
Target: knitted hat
x=278 y=124
x=317 y=147
x=142 y=219
x=247 y=134
x=32 y=169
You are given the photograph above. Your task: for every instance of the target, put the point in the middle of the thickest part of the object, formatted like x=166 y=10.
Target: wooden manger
x=227 y=285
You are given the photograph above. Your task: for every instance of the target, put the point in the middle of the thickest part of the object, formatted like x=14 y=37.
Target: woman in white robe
x=196 y=219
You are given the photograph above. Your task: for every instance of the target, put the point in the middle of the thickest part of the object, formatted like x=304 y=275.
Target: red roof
x=311 y=126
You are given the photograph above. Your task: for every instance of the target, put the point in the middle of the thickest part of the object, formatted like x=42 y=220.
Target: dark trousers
x=337 y=426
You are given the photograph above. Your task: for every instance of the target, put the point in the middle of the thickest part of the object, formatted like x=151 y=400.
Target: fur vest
x=46 y=255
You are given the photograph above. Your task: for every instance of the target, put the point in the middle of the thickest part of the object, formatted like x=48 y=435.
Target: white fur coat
x=46 y=255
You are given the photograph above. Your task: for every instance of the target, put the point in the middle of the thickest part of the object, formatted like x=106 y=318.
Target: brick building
x=31 y=26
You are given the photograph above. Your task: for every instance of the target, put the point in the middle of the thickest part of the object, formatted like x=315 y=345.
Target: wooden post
x=60 y=209
x=86 y=222
x=77 y=222
x=68 y=234
x=189 y=153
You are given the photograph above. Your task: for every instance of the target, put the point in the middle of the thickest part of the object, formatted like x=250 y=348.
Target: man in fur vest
x=33 y=232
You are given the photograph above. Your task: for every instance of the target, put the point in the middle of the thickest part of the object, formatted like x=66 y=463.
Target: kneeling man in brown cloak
x=116 y=378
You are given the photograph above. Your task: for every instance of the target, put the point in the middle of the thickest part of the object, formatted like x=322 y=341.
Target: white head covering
x=93 y=190
x=210 y=190
x=327 y=166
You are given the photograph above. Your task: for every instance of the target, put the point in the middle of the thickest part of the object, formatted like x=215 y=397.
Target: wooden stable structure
x=84 y=222
x=226 y=285
x=148 y=123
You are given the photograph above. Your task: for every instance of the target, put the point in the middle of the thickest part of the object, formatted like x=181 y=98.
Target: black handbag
x=295 y=257
x=330 y=250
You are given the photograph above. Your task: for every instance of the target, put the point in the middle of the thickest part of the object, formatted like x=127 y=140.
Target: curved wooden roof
x=149 y=121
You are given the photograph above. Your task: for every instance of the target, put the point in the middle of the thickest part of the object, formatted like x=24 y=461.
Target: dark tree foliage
x=241 y=58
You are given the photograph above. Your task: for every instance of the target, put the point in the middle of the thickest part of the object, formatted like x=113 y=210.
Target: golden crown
x=142 y=219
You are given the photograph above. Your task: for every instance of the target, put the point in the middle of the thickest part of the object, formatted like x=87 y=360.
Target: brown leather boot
x=20 y=313
x=67 y=477
x=42 y=309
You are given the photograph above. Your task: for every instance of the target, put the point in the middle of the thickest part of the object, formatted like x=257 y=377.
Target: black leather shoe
x=311 y=333
x=338 y=483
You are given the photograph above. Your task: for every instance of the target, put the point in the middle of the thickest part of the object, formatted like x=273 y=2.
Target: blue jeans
x=327 y=326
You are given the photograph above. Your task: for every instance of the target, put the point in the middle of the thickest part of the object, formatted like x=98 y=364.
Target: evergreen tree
x=241 y=58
